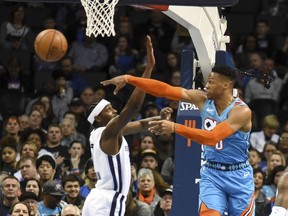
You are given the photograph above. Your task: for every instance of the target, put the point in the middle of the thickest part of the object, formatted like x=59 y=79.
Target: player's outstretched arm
x=239 y=119
x=143 y=124
x=111 y=136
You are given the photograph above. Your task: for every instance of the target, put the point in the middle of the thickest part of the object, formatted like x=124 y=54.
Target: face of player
x=146 y=184
x=9 y=155
x=147 y=143
x=28 y=170
x=214 y=86
x=72 y=189
x=20 y=210
x=166 y=202
x=254 y=158
x=32 y=186
x=46 y=171
x=275 y=160
x=76 y=150
x=12 y=127
x=107 y=114
x=149 y=162
x=258 y=180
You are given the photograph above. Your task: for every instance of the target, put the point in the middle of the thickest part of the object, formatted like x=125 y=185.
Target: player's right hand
x=119 y=82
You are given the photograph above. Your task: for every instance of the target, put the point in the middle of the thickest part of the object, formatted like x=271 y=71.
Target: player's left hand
x=118 y=81
x=161 y=127
x=166 y=112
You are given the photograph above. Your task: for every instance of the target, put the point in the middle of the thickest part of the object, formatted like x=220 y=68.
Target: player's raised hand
x=166 y=112
x=161 y=127
x=119 y=82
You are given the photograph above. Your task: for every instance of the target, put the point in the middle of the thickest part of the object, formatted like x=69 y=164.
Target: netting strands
x=100 y=17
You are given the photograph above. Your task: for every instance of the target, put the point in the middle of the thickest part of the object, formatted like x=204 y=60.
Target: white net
x=100 y=17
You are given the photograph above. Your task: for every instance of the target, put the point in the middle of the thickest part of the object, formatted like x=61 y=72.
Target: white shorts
x=104 y=203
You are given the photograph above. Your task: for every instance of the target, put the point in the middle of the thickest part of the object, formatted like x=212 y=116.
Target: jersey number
x=219 y=145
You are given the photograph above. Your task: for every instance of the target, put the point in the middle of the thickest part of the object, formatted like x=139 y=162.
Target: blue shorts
x=231 y=191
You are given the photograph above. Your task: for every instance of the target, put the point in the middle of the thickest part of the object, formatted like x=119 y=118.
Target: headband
x=97 y=110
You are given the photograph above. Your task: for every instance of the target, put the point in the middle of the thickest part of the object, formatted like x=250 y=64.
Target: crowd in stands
x=44 y=135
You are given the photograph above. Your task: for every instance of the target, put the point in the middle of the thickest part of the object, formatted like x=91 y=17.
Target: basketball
x=50 y=45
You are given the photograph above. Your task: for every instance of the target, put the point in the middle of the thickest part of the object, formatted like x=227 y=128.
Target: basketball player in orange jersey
x=226 y=177
x=110 y=151
x=280 y=207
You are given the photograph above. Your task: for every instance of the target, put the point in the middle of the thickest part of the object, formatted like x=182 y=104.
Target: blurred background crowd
x=44 y=135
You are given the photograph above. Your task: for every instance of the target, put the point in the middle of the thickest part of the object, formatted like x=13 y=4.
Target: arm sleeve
x=209 y=138
x=156 y=88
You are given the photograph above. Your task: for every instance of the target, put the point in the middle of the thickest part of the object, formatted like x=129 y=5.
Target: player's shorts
x=104 y=203
x=231 y=191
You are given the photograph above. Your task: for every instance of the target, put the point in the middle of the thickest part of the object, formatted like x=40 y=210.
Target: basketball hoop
x=100 y=15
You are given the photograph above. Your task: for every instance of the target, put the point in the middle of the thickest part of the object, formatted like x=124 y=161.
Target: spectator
x=8 y=155
x=35 y=120
x=76 y=162
x=147 y=192
x=136 y=208
x=28 y=170
x=20 y=209
x=15 y=34
x=270 y=125
x=125 y=58
x=276 y=159
x=268 y=150
x=263 y=100
x=270 y=187
x=165 y=204
x=23 y=122
x=73 y=77
x=29 y=149
x=89 y=55
x=71 y=185
x=90 y=177
x=265 y=40
x=46 y=167
x=70 y=133
x=15 y=78
x=37 y=136
x=48 y=115
x=70 y=210
x=260 y=198
x=32 y=185
x=12 y=127
x=53 y=145
x=31 y=200
x=63 y=89
x=283 y=145
x=10 y=193
x=149 y=159
x=52 y=195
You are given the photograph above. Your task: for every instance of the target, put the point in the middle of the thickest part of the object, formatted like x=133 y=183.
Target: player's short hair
x=225 y=71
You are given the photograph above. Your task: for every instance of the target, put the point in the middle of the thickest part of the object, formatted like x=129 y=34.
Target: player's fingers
x=106 y=82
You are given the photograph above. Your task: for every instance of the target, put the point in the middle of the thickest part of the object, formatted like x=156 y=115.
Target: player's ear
x=98 y=119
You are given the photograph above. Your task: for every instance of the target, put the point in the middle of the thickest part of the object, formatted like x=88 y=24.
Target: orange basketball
x=50 y=45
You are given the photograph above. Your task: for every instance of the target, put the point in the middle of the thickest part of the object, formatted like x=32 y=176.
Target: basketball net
x=100 y=14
